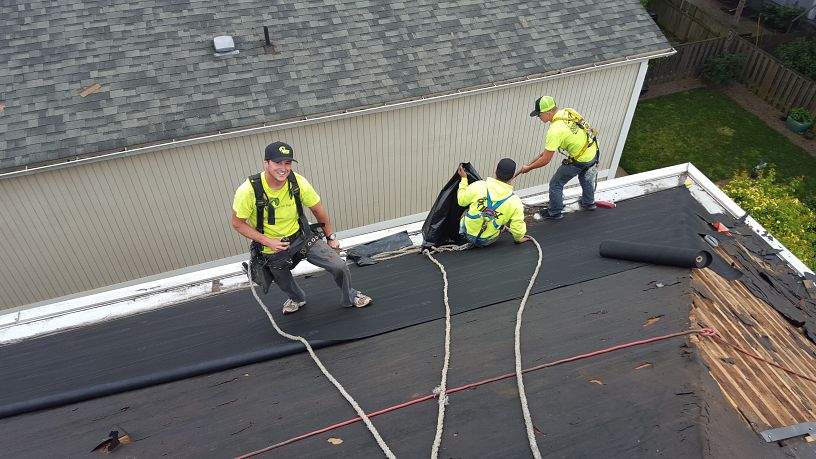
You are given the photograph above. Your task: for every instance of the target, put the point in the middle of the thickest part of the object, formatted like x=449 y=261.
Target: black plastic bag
x=442 y=225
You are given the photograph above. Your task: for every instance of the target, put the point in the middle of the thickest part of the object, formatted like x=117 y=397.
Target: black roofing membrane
x=190 y=338
x=229 y=330
x=668 y=409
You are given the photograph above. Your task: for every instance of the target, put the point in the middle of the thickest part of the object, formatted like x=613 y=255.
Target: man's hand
x=461 y=171
x=334 y=243
x=524 y=239
x=276 y=244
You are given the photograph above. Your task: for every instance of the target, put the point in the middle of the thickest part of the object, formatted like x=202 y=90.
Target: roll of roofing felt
x=656 y=254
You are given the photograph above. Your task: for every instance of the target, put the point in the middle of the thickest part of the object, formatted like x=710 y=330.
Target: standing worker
x=283 y=232
x=492 y=206
x=570 y=135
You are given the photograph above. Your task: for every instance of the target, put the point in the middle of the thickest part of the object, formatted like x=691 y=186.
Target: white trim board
x=134 y=299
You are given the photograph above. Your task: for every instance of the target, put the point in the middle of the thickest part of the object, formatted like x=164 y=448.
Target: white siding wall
x=78 y=228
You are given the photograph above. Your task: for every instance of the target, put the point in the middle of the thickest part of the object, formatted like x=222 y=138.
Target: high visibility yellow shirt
x=286 y=216
x=510 y=213
x=569 y=137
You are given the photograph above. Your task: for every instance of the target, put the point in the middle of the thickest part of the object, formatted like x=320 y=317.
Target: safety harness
x=488 y=213
x=310 y=233
x=592 y=134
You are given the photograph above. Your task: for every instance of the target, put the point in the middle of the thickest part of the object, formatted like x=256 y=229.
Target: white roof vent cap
x=224 y=46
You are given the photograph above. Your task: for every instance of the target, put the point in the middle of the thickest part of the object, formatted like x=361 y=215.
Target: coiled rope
x=325 y=371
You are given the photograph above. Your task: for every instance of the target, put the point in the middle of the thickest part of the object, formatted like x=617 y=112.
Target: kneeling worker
x=280 y=193
x=492 y=206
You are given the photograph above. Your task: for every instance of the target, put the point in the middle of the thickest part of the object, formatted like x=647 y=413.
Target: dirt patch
x=745 y=99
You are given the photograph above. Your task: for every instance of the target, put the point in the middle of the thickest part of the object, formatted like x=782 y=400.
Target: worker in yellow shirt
x=491 y=207
x=268 y=209
x=570 y=135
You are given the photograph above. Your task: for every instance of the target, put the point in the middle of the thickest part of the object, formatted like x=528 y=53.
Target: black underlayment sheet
x=230 y=330
x=654 y=400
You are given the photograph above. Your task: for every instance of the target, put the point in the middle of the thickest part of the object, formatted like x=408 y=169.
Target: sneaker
x=361 y=300
x=290 y=306
x=544 y=215
x=588 y=206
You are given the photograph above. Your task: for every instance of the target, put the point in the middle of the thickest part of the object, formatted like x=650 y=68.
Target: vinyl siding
x=78 y=228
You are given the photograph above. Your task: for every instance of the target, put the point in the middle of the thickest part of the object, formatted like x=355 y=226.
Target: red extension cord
x=702 y=332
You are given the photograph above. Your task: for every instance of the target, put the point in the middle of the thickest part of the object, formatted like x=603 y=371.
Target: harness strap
x=591 y=133
x=488 y=213
x=305 y=230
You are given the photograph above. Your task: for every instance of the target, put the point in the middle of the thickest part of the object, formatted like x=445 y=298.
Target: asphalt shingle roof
x=159 y=79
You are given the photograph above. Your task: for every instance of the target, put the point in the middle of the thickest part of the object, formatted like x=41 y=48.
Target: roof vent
x=224 y=46
x=269 y=47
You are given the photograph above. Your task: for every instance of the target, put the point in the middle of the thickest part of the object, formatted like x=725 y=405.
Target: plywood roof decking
x=766 y=396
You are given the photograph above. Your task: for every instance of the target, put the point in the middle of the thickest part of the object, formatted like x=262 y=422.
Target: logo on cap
x=284 y=150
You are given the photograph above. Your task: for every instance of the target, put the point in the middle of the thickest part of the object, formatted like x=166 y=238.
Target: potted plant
x=799 y=120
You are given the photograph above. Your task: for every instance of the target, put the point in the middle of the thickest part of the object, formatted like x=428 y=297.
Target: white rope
x=328 y=375
x=442 y=389
x=528 y=422
x=443 y=385
x=416 y=249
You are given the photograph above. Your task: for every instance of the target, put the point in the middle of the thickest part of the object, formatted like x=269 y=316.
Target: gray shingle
x=154 y=60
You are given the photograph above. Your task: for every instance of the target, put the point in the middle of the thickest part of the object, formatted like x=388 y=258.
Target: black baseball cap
x=279 y=151
x=506 y=169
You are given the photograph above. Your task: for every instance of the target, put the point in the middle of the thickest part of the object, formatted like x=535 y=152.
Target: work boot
x=290 y=306
x=361 y=300
x=545 y=215
x=588 y=206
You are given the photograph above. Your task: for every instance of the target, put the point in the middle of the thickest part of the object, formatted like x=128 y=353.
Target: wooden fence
x=686 y=21
x=771 y=80
x=687 y=63
x=762 y=73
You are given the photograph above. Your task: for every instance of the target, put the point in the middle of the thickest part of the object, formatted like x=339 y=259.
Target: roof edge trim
x=736 y=211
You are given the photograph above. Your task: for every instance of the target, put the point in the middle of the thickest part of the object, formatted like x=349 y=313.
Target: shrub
x=801 y=114
x=776 y=208
x=779 y=17
x=723 y=69
x=799 y=55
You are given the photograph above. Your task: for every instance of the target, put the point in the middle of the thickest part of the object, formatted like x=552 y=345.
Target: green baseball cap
x=542 y=105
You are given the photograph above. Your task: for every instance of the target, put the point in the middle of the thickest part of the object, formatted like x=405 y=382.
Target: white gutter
x=276 y=126
x=134 y=299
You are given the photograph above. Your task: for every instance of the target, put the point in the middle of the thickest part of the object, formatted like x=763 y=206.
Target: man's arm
x=543 y=159
x=463 y=195
x=323 y=217
x=242 y=227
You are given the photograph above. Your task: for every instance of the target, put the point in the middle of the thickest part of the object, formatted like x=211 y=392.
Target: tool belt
x=289 y=258
x=570 y=161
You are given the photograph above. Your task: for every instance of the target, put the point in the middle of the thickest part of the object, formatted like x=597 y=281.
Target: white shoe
x=290 y=306
x=361 y=300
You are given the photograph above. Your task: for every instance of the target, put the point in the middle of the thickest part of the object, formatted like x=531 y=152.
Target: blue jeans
x=476 y=241
x=586 y=172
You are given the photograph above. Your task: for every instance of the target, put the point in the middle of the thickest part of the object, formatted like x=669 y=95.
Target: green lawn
x=715 y=134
